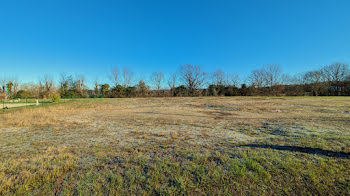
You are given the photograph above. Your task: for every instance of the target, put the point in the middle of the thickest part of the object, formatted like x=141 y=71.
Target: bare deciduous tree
x=290 y=79
x=257 y=78
x=272 y=74
x=297 y=79
x=157 y=78
x=127 y=76
x=234 y=80
x=80 y=84
x=315 y=79
x=64 y=84
x=63 y=79
x=96 y=87
x=41 y=88
x=193 y=77
x=172 y=80
x=48 y=84
x=15 y=87
x=32 y=89
x=219 y=77
x=335 y=72
x=9 y=86
x=269 y=75
x=45 y=86
x=114 y=76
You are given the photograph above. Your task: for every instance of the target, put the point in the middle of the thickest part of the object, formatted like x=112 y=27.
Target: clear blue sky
x=89 y=37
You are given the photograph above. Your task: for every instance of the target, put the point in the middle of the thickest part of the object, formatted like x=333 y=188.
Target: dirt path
x=13 y=105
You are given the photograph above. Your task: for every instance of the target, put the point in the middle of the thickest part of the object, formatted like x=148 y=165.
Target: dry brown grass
x=107 y=134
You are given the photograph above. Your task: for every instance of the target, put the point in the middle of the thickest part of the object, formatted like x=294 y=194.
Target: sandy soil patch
x=14 y=105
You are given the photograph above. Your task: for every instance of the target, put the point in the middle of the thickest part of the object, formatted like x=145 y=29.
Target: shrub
x=22 y=94
x=55 y=97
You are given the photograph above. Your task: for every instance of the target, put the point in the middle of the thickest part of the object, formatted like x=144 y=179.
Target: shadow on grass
x=336 y=119
x=171 y=114
x=308 y=150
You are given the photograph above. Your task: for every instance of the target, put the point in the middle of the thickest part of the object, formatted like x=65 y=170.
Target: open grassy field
x=175 y=146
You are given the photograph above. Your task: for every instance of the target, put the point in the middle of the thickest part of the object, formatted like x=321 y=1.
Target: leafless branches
x=219 y=77
x=193 y=77
x=335 y=72
x=269 y=75
x=157 y=78
x=234 y=80
x=114 y=76
x=127 y=77
x=172 y=81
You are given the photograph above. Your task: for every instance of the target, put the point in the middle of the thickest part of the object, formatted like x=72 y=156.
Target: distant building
x=3 y=96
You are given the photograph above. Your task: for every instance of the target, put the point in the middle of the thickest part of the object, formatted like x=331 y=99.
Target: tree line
x=191 y=80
